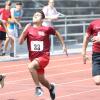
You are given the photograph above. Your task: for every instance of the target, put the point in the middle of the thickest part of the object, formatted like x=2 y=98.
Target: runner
x=39 y=51
x=93 y=30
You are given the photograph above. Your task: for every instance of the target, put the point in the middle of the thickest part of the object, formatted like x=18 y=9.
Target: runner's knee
x=33 y=65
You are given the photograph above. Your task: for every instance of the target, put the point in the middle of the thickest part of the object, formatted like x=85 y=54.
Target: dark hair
x=42 y=13
x=19 y=3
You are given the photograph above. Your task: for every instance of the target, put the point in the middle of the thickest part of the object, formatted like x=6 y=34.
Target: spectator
x=14 y=26
x=51 y=13
x=17 y=13
x=4 y=15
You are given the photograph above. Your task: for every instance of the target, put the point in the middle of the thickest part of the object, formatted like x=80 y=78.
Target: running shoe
x=52 y=91
x=38 y=91
x=11 y=54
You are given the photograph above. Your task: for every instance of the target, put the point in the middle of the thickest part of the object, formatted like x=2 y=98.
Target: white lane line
x=16 y=72
x=50 y=60
x=23 y=79
x=52 y=67
x=15 y=92
x=26 y=79
x=51 y=75
x=48 y=67
x=77 y=93
x=13 y=65
x=76 y=71
x=65 y=58
x=72 y=94
x=60 y=65
x=59 y=84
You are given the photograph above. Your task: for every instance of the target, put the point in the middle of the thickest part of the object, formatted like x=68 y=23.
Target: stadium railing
x=72 y=34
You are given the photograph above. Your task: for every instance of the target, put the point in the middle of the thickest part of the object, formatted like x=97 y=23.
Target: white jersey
x=49 y=12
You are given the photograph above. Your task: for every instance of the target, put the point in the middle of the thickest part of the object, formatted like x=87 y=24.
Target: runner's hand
x=85 y=58
x=65 y=50
x=96 y=39
x=20 y=26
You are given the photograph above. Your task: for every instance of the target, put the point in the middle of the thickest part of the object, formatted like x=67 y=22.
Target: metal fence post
x=83 y=29
x=15 y=47
x=52 y=44
x=65 y=28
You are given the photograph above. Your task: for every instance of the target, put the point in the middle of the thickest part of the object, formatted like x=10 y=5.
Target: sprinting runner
x=39 y=51
x=93 y=30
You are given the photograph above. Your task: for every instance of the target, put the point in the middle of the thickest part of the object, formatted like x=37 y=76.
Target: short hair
x=8 y=2
x=19 y=3
x=42 y=13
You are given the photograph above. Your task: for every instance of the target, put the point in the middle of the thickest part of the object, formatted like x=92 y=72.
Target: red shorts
x=43 y=61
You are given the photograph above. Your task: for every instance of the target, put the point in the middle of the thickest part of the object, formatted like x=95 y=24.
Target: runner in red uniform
x=93 y=31
x=39 y=51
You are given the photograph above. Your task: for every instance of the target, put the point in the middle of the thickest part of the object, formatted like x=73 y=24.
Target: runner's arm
x=62 y=41
x=96 y=39
x=84 y=47
x=85 y=44
x=23 y=34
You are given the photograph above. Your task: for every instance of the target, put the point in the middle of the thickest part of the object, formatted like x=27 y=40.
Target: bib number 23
x=36 y=45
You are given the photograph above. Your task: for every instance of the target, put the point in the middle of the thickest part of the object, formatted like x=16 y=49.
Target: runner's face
x=37 y=17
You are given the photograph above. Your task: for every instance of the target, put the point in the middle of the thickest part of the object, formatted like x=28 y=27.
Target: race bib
x=36 y=45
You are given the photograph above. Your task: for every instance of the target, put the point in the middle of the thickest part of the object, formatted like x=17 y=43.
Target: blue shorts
x=95 y=64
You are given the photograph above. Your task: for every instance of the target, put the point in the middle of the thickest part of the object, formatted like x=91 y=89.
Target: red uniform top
x=4 y=15
x=38 y=40
x=94 y=30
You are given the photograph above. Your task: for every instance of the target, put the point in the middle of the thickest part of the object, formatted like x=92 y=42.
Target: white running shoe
x=38 y=91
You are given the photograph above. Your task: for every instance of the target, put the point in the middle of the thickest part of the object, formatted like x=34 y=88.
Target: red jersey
x=94 y=30
x=4 y=15
x=38 y=40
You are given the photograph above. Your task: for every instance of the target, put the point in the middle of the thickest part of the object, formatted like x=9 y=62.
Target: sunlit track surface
x=72 y=77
